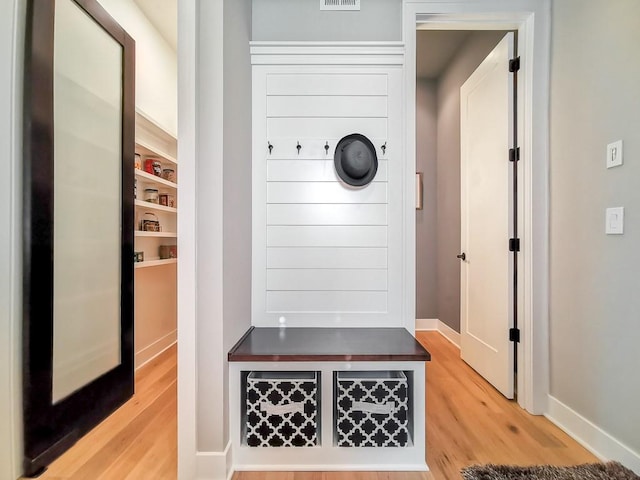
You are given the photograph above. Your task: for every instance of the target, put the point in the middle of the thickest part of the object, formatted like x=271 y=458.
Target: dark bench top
x=273 y=344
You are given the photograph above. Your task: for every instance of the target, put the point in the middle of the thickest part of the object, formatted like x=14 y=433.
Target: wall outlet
x=614 y=154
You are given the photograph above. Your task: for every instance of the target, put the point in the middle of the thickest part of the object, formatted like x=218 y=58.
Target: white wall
x=213 y=274
x=237 y=179
x=156 y=65
x=595 y=304
x=11 y=57
x=299 y=20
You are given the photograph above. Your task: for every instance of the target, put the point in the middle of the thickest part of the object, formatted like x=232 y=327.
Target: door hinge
x=514 y=335
x=514 y=154
x=514 y=244
x=514 y=64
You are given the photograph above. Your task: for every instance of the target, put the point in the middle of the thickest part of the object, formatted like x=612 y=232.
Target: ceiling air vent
x=339 y=4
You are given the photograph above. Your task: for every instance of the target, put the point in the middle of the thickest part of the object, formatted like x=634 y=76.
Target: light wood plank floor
x=136 y=442
x=468 y=422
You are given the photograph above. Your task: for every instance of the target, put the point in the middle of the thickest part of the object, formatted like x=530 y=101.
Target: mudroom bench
x=327 y=399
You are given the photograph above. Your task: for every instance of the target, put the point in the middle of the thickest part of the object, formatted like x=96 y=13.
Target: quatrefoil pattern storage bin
x=282 y=409
x=372 y=409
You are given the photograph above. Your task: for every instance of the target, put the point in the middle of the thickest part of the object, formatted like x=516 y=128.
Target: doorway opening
x=464 y=125
x=533 y=140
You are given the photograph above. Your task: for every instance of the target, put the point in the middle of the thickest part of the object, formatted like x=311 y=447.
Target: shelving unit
x=155 y=206
x=156 y=263
x=159 y=182
x=152 y=142
x=155 y=286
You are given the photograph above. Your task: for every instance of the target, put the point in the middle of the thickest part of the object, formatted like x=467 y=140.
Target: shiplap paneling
x=333 y=236
x=326 y=106
x=326 y=84
x=323 y=214
x=327 y=279
x=327 y=302
x=326 y=257
x=324 y=251
x=325 y=127
x=312 y=170
x=325 y=192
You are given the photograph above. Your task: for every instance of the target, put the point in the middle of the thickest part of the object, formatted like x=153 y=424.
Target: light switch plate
x=615 y=221
x=614 y=154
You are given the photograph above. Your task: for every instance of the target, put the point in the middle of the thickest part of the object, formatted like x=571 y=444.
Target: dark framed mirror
x=78 y=224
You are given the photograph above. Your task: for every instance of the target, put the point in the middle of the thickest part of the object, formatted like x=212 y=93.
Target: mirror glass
x=87 y=208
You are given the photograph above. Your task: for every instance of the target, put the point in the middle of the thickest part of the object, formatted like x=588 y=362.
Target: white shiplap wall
x=325 y=253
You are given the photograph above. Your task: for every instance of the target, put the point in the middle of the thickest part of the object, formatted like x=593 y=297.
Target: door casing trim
x=532 y=20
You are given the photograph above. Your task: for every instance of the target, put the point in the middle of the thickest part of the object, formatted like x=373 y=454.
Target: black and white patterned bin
x=282 y=409
x=372 y=409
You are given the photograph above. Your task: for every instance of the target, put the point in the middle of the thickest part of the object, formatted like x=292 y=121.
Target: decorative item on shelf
x=148 y=165
x=151 y=195
x=168 y=251
x=157 y=168
x=169 y=174
x=135 y=188
x=282 y=409
x=138 y=161
x=138 y=257
x=167 y=200
x=372 y=409
x=153 y=166
x=150 y=224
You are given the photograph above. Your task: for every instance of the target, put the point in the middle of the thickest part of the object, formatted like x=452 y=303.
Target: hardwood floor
x=138 y=441
x=468 y=422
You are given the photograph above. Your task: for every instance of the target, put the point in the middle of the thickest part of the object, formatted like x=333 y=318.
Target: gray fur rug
x=590 y=471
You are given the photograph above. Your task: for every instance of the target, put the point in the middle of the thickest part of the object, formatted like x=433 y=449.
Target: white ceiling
x=434 y=50
x=163 y=14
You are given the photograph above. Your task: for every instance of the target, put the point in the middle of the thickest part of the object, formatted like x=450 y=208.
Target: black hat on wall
x=355 y=160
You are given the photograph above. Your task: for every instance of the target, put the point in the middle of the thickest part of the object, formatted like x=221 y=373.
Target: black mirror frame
x=49 y=429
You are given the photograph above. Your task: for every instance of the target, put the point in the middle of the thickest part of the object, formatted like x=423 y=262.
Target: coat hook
x=384 y=148
x=270 y=147
x=326 y=148
x=298 y=146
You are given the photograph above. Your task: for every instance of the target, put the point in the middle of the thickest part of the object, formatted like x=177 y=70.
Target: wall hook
x=299 y=147
x=270 y=147
x=326 y=148
x=384 y=148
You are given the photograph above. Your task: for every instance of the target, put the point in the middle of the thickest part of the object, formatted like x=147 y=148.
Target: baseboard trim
x=214 y=465
x=449 y=333
x=433 y=324
x=426 y=324
x=150 y=352
x=333 y=468
x=593 y=438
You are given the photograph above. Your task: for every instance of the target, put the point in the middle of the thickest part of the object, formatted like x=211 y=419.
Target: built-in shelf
x=155 y=206
x=145 y=149
x=155 y=263
x=140 y=233
x=147 y=177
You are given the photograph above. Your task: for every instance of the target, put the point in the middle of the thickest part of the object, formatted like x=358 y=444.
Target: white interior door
x=486 y=109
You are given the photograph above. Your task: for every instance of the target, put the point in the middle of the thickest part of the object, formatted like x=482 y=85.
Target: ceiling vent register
x=339 y=4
